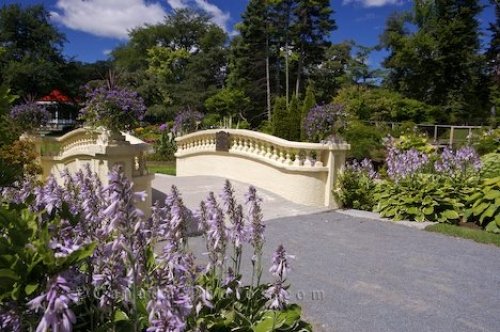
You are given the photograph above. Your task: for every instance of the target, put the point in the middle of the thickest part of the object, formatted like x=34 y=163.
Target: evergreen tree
x=249 y=66
x=280 y=121
x=308 y=103
x=439 y=63
x=294 y=119
x=493 y=62
x=311 y=33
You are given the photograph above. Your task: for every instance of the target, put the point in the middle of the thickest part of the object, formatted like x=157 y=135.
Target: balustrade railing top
x=273 y=150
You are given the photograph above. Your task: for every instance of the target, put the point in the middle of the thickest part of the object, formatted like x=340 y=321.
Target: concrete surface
x=353 y=273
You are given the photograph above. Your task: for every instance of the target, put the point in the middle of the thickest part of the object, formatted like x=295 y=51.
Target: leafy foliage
x=485 y=205
x=366 y=141
x=29 y=116
x=376 y=104
x=82 y=256
x=490 y=165
x=424 y=197
x=356 y=185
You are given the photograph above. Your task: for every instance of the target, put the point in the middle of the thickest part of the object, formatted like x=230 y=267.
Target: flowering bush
x=186 y=121
x=82 y=256
x=115 y=109
x=29 y=116
x=320 y=122
x=356 y=185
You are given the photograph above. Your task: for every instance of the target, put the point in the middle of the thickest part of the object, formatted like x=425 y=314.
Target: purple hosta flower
x=459 y=162
x=173 y=291
x=163 y=128
x=365 y=167
x=9 y=319
x=178 y=216
x=186 y=121
x=216 y=234
x=256 y=227
x=56 y=303
x=280 y=266
x=29 y=116
x=115 y=109
x=277 y=296
x=401 y=164
x=49 y=197
x=19 y=192
x=320 y=121
x=232 y=283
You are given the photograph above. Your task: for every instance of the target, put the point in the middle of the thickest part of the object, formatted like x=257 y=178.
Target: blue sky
x=94 y=27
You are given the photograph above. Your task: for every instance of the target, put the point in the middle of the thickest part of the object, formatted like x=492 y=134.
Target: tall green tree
x=311 y=33
x=32 y=61
x=174 y=64
x=493 y=62
x=438 y=61
x=250 y=63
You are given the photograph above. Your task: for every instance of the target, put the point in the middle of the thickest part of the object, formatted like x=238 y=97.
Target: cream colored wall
x=102 y=152
x=283 y=167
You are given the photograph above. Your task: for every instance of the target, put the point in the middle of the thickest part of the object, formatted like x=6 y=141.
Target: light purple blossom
x=186 y=121
x=29 y=116
x=9 y=319
x=459 y=162
x=254 y=217
x=55 y=304
x=365 y=167
x=116 y=109
x=280 y=266
x=277 y=296
x=319 y=122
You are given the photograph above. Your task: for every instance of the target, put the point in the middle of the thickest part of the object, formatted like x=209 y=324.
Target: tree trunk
x=287 y=78
x=299 y=73
x=268 y=80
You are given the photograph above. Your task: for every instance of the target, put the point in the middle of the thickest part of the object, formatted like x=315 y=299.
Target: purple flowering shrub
x=356 y=184
x=29 y=116
x=115 y=109
x=427 y=186
x=80 y=255
x=186 y=121
x=321 y=120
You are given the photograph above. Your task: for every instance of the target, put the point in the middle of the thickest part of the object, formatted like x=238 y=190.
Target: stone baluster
x=307 y=160
x=288 y=160
x=319 y=162
x=297 y=161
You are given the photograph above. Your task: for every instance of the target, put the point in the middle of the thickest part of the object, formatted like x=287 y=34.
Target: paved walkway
x=358 y=274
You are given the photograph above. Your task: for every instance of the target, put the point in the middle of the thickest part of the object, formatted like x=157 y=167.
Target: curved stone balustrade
x=102 y=151
x=301 y=172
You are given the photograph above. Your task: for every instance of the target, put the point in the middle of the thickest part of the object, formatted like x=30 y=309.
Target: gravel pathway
x=354 y=273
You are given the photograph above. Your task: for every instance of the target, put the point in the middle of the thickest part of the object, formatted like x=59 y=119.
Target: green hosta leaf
x=29 y=289
x=492 y=194
x=450 y=214
x=492 y=181
x=120 y=315
x=9 y=274
x=428 y=210
x=492 y=227
x=477 y=210
x=474 y=197
x=413 y=211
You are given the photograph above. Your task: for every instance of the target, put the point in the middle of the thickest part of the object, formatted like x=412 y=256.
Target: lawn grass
x=162 y=167
x=466 y=233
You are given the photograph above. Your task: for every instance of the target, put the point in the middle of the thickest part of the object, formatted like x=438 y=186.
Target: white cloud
x=107 y=52
x=218 y=16
x=107 y=18
x=177 y=4
x=373 y=3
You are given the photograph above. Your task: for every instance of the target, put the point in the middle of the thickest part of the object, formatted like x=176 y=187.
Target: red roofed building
x=63 y=110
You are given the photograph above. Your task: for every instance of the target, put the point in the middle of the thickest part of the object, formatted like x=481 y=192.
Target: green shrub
x=355 y=187
x=485 y=205
x=488 y=141
x=423 y=197
x=366 y=141
x=490 y=165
